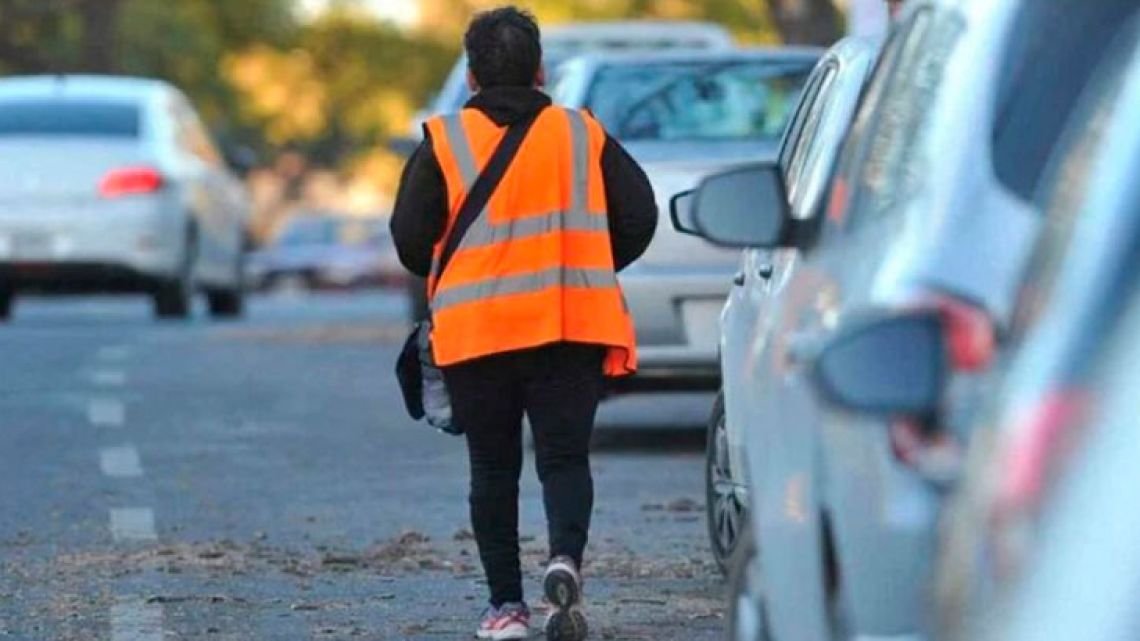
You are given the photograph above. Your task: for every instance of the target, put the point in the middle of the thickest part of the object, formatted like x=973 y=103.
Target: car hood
x=680 y=167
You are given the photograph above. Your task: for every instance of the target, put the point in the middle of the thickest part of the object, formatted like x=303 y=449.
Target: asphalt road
x=258 y=480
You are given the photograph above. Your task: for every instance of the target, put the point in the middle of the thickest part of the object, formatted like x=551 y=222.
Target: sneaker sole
x=567 y=625
x=562 y=591
x=503 y=635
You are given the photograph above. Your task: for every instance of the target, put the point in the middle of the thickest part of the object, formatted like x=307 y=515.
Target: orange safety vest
x=536 y=267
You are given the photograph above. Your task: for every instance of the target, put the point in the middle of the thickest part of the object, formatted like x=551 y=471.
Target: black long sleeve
x=632 y=206
x=420 y=213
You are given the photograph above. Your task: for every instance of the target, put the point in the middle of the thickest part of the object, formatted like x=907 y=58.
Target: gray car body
x=845 y=531
x=1020 y=567
x=676 y=290
x=807 y=156
x=50 y=191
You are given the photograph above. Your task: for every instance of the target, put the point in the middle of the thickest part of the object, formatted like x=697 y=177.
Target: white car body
x=62 y=230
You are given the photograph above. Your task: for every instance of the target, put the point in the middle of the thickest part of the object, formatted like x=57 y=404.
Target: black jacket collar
x=506 y=105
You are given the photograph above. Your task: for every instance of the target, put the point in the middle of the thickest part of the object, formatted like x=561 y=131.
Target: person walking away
x=528 y=316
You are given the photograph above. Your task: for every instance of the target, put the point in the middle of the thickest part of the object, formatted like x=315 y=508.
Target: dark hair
x=504 y=48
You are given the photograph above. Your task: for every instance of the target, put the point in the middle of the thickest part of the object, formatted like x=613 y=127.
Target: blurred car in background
x=684 y=115
x=113 y=184
x=316 y=251
x=560 y=43
x=936 y=205
x=806 y=159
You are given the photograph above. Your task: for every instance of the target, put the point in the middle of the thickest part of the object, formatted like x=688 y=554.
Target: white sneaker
x=510 y=621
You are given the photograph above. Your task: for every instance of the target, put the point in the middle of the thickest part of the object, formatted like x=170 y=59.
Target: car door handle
x=738 y=279
x=765 y=271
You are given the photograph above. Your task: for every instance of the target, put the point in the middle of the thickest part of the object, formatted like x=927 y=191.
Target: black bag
x=409 y=371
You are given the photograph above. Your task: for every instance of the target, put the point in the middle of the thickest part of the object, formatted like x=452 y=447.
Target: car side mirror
x=743 y=207
x=681 y=212
x=890 y=365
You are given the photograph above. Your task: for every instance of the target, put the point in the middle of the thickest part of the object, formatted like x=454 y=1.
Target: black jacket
x=420 y=214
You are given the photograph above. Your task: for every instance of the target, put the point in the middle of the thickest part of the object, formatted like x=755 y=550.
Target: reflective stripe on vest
x=536 y=265
x=483 y=233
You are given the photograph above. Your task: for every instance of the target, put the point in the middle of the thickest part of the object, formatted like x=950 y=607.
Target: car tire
x=174 y=298
x=724 y=511
x=229 y=303
x=747 y=613
x=226 y=303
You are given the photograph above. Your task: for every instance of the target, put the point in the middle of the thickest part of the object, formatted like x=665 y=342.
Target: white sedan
x=111 y=185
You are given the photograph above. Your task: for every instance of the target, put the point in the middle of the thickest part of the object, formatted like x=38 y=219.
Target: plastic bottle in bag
x=437 y=402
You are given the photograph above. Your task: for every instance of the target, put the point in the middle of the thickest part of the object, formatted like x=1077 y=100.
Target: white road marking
x=108 y=378
x=112 y=353
x=121 y=461
x=132 y=524
x=106 y=412
x=136 y=621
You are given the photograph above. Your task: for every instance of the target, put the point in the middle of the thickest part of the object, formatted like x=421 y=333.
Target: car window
x=880 y=167
x=69 y=118
x=807 y=99
x=1070 y=174
x=799 y=157
x=1055 y=48
x=698 y=101
x=193 y=137
x=308 y=232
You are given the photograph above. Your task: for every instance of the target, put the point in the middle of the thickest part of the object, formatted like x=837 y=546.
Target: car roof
x=636 y=30
x=119 y=88
x=652 y=57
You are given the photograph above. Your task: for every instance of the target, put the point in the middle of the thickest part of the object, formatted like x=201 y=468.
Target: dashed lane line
x=132 y=620
x=108 y=378
x=112 y=353
x=106 y=412
x=132 y=524
x=121 y=461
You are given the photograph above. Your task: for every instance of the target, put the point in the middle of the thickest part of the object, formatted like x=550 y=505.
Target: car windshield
x=309 y=232
x=698 y=101
x=68 y=118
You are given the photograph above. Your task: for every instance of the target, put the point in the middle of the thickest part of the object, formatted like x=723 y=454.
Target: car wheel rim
x=726 y=506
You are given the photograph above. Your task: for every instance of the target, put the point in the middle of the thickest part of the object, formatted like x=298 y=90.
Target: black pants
x=558 y=388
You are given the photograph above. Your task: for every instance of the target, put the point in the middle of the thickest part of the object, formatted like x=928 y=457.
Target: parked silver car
x=934 y=205
x=113 y=184
x=684 y=115
x=1053 y=412
x=806 y=158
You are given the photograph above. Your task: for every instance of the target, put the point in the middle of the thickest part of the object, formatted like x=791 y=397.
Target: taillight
x=971 y=338
x=1035 y=447
x=130 y=180
x=1034 y=451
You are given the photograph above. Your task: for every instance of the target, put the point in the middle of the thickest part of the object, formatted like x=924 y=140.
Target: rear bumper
x=140 y=238
x=677 y=316
x=76 y=278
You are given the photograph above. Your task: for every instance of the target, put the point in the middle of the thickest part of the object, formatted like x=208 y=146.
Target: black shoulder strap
x=484 y=186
